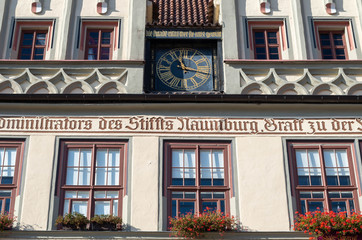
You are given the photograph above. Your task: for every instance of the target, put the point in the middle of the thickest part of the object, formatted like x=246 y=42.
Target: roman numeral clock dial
x=184 y=69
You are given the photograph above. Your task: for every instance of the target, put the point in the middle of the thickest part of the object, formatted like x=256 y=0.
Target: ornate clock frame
x=166 y=72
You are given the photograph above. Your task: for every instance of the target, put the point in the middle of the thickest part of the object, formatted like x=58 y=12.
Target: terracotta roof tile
x=183 y=13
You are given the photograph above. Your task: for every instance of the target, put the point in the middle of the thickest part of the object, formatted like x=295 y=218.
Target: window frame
x=34 y=46
x=113 y=26
x=266 y=43
x=92 y=187
x=333 y=47
x=324 y=187
x=14 y=187
x=99 y=45
x=198 y=188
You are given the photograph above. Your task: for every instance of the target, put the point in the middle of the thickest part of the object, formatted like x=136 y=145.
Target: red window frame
x=99 y=45
x=266 y=45
x=34 y=46
x=197 y=193
x=13 y=187
x=332 y=46
x=91 y=188
x=323 y=193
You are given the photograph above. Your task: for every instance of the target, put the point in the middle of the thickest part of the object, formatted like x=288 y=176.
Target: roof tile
x=183 y=13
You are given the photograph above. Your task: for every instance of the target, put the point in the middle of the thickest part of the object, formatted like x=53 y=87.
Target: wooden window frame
x=198 y=188
x=321 y=146
x=92 y=188
x=14 y=188
x=99 y=46
x=266 y=43
x=333 y=47
x=34 y=46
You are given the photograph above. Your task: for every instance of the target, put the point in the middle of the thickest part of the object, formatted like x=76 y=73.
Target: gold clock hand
x=195 y=70
x=182 y=64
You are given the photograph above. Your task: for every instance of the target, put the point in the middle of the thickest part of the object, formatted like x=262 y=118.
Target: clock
x=184 y=69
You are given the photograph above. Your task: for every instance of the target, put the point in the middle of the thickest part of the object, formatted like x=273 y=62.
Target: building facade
x=148 y=109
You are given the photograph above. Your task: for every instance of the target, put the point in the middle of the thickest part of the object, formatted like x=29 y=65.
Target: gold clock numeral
x=202 y=76
x=166 y=75
x=164 y=68
x=173 y=56
x=203 y=69
x=174 y=82
x=167 y=61
x=193 y=55
x=194 y=82
x=183 y=53
x=200 y=61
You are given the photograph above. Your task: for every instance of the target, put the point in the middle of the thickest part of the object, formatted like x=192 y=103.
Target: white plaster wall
x=261 y=178
x=144 y=187
x=37 y=182
x=51 y=8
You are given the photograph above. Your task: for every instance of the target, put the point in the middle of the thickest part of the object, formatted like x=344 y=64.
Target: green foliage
x=6 y=222
x=192 y=226
x=106 y=222
x=75 y=221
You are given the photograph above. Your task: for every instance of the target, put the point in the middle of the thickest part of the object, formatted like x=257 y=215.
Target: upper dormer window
x=33 y=45
x=99 y=44
x=333 y=45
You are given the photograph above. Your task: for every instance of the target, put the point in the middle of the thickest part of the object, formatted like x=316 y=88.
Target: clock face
x=184 y=69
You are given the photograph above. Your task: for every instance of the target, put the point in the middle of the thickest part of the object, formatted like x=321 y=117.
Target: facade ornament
x=102 y=7
x=330 y=7
x=265 y=6
x=36 y=6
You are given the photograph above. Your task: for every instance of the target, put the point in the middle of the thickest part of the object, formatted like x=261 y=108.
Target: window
x=324 y=177
x=99 y=44
x=98 y=40
x=197 y=177
x=92 y=178
x=10 y=155
x=333 y=44
x=33 y=45
x=32 y=39
x=266 y=44
x=268 y=39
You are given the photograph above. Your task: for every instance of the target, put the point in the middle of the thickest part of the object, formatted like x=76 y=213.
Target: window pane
x=102 y=208
x=106 y=37
x=5 y=193
x=38 y=53
x=115 y=208
x=305 y=195
x=339 y=206
x=92 y=53
x=259 y=38
x=218 y=158
x=209 y=206
x=205 y=177
x=80 y=207
x=302 y=159
x=113 y=176
x=189 y=158
x=303 y=207
x=66 y=207
x=351 y=205
x=206 y=195
x=100 y=176
x=104 y=53
x=347 y=195
x=25 y=53
x=190 y=195
x=8 y=175
x=100 y=194
x=70 y=194
x=219 y=195
x=85 y=157
x=84 y=176
x=93 y=38
x=101 y=158
x=329 y=158
x=334 y=195
x=27 y=39
x=186 y=207
x=177 y=158
x=10 y=156
x=190 y=176
x=342 y=159
x=218 y=177
x=72 y=176
x=260 y=50
x=174 y=207
x=314 y=158
x=83 y=194
x=315 y=206
x=318 y=194
x=73 y=157
x=113 y=158
x=112 y=194
x=40 y=39
x=205 y=158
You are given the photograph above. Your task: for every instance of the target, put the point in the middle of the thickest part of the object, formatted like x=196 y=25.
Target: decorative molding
x=63 y=80
x=102 y=7
x=330 y=7
x=265 y=6
x=36 y=6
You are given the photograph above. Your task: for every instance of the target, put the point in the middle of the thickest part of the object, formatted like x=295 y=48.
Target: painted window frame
x=169 y=188
x=91 y=200
x=109 y=26
x=343 y=26
x=14 y=187
x=27 y=26
x=262 y=25
x=300 y=190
